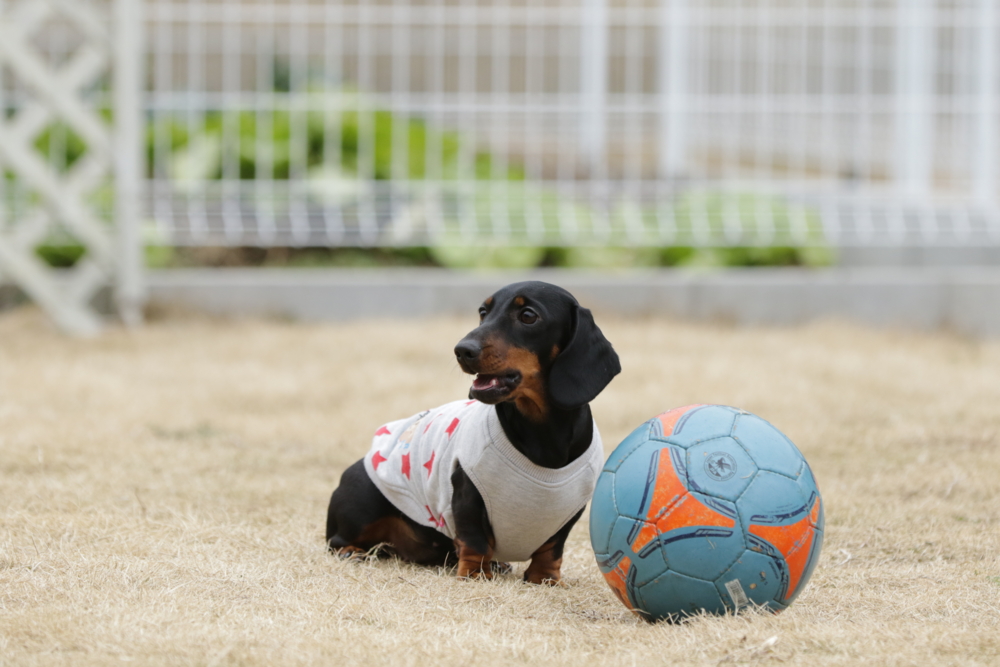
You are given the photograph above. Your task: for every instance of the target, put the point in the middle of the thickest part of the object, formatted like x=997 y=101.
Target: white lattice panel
x=46 y=95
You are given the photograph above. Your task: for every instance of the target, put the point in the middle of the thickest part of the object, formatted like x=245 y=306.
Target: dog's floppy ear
x=585 y=367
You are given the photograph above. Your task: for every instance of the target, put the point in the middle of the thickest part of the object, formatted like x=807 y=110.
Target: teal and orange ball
x=706 y=508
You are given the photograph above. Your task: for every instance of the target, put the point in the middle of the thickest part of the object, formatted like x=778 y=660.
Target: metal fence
x=572 y=122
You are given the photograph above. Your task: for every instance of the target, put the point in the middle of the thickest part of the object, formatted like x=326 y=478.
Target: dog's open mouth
x=493 y=388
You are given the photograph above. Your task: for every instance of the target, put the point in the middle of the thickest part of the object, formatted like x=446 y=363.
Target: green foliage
x=160 y=256
x=262 y=144
x=605 y=257
x=278 y=257
x=349 y=257
x=677 y=255
x=60 y=256
x=66 y=256
x=792 y=231
x=338 y=151
x=60 y=143
x=700 y=222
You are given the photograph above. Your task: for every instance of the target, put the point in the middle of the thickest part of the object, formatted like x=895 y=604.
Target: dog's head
x=536 y=346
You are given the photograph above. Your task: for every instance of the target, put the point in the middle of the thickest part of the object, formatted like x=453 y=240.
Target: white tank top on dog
x=412 y=460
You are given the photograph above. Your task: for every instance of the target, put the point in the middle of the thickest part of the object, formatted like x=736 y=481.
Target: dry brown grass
x=163 y=492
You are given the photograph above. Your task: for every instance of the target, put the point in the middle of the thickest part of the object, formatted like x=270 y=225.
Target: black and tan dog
x=539 y=359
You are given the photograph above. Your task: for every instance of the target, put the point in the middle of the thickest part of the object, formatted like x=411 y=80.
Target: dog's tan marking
x=471 y=563
x=545 y=568
x=489 y=301
x=554 y=353
x=529 y=396
x=388 y=530
x=519 y=301
x=398 y=536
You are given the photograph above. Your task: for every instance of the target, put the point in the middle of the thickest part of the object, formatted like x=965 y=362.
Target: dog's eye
x=528 y=316
x=482 y=314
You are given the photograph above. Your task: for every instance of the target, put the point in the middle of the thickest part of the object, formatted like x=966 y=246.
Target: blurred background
x=147 y=135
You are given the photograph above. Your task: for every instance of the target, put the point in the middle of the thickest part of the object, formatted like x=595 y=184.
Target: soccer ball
x=706 y=507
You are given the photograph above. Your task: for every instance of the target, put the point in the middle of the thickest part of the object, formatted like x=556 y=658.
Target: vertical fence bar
x=734 y=114
x=828 y=159
x=535 y=65
x=594 y=82
x=799 y=109
x=499 y=140
x=566 y=154
x=628 y=161
x=469 y=40
x=533 y=116
x=864 y=165
x=231 y=103
x=333 y=118
x=864 y=157
x=702 y=119
x=628 y=164
x=298 y=107
x=195 y=113
x=365 y=71
x=914 y=88
x=163 y=112
x=399 y=97
x=673 y=88
x=128 y=157
x=762 y=114
x=437 y=58
x=569 y=49
x=985 y=175
x=763 y=125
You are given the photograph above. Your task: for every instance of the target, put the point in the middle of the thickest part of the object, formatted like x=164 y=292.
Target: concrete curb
x=963 y=300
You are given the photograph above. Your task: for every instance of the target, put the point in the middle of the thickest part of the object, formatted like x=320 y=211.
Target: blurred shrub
x=341 y=149
x=60 y=256
x=264 y=142
x=605 y=257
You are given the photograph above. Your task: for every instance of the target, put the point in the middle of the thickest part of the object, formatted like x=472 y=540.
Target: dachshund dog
x=503 y=476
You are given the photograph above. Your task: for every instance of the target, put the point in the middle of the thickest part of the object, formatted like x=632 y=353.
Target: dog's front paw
x=470 y=570
x=472 y=563
x=545 y=566
x=543 y=577
x=474 y=569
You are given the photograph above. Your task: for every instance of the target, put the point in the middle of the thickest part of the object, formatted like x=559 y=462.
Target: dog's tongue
x=485 y=382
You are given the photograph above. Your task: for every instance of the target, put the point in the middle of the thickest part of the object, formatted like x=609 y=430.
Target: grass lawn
x=163 y=495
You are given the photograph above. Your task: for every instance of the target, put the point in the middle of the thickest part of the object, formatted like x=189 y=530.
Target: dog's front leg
x=472 y=563
x=473 y=532
x=546 y=562
x=545 y=566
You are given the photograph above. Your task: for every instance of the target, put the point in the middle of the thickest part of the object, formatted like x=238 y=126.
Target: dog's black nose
x=468 y=350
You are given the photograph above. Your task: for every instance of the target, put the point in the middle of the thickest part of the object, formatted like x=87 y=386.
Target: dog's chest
x=412 y=460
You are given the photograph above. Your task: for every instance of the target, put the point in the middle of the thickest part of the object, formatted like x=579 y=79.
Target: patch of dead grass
x=163 y=493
